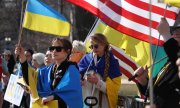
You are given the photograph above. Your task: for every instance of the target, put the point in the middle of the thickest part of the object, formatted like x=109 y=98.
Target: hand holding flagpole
x=134 y=76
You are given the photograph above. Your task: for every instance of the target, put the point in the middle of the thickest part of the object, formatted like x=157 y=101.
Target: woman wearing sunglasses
x=57 y=84
x=100 y=73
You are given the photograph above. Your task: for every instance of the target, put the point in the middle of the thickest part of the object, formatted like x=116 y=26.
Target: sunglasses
x=94 y=46
x=57 y=48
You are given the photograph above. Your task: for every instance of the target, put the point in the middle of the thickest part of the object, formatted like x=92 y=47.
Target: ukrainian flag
x=136 y=49
x=41 y=17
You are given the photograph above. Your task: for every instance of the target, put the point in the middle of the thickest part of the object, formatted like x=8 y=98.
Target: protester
x=3 y=70
x=78 y=51
x=26 y=96
x=54 y=82
x=100 y=72
x=10 y=60
x=28 y=53
x=178 y=60
x=37 y=63
x=166 y=84
x=38 y=60
x=3 y=65
x=48 y=58
x=8 y=56
x=178 y=64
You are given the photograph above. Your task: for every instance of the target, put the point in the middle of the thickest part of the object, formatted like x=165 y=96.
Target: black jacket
x=167 y=82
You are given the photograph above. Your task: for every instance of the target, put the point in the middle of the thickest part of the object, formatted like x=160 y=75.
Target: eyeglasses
x=94 y=46
x=57 y=48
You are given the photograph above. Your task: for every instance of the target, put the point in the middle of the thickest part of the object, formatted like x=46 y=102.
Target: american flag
x=127 y=65
x=130 y=17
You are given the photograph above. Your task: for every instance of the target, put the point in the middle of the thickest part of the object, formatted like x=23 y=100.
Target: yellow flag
x=173 y=2
x=138 y=50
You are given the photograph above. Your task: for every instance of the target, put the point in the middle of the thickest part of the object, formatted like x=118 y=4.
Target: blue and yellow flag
x=137 y=50
x=68 y=89
x=41 y=17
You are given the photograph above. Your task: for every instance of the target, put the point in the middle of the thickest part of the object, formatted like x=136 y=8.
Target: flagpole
x=157 y=61
x=157 y=45
x=72 y=21
x=150 y=38
x=150 y=84
x=21 y=21
x=96 y=22
x=92 y=30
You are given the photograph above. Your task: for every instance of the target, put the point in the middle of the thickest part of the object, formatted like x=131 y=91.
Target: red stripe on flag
x=127 y=73
x=128 y=62
x=85 y=5
x=131 y=16
x=129 y=31
x=114 y=24
x=124 y=59
x=123 y=28
x=155 y=9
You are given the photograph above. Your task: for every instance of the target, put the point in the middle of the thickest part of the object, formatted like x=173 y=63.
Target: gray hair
x=79 y=46
x=39 y=57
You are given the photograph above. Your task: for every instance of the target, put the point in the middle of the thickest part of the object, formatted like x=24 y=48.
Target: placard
x=14 y=92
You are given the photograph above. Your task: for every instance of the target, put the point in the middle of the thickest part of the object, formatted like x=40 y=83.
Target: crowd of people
x=66 y=76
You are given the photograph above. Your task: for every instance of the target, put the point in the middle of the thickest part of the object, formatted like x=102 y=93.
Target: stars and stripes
x=130 y=17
